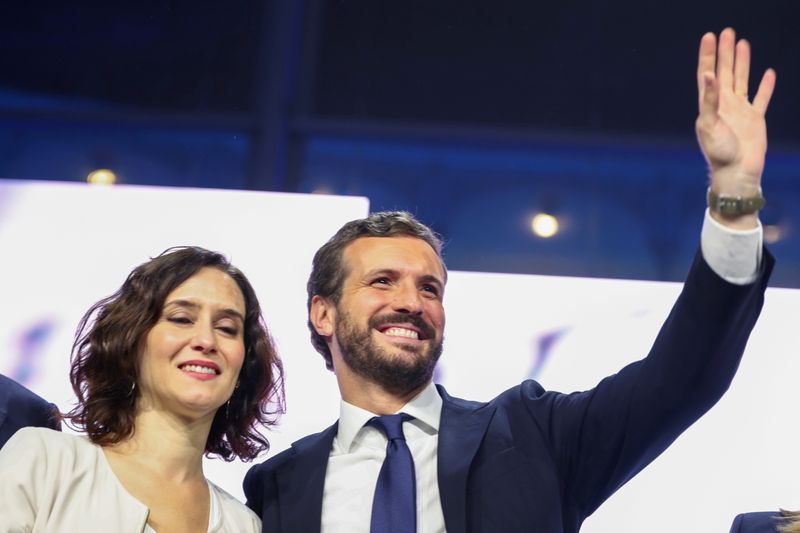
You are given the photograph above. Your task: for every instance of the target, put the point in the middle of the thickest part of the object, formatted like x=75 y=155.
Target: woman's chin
x=200 y=407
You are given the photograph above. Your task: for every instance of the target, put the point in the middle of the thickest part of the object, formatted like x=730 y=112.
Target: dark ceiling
x=171 y=55
x=620 y=66
x=471 y=114
x=587 y=66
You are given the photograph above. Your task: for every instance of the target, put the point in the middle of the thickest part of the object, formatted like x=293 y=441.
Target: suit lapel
x=302 y=480
x=461 y=431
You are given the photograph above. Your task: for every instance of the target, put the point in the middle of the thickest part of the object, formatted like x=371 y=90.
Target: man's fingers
x=706 y=61
x=725 y=53
x=765 y=90
x=741 y=68
x=709 y=102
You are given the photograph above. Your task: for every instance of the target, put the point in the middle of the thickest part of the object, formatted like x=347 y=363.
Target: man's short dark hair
x=328 y=271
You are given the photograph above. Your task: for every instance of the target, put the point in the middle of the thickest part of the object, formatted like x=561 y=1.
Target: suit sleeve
x=253 y=486
x=22 y=408
x=602 y=437
x=736 y=527
x=53 y=420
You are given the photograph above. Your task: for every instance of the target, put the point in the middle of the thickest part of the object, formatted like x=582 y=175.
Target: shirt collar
x=425 y=407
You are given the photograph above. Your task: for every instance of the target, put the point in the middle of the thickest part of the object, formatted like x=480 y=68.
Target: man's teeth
x=402 y=332
x=200 y=369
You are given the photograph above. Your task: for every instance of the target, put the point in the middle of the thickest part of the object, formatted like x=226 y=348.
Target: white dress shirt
x=358 y=451
x=734 y=255
x=356 y=458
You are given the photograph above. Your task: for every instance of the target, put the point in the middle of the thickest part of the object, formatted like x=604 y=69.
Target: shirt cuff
x=734 y=255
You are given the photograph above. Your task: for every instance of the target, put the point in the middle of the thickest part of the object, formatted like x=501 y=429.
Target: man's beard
x=398 y=374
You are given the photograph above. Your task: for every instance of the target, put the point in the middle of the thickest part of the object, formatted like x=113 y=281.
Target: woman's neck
x=166 y=445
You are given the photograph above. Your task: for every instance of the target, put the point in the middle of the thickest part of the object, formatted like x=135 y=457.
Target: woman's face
x=191 y=357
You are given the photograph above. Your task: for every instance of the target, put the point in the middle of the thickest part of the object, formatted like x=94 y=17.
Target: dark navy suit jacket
x=765 y=522
x=20 y=407
x=533 y=460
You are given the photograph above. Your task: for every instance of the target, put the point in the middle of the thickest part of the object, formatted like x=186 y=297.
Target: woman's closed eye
x=228 y=329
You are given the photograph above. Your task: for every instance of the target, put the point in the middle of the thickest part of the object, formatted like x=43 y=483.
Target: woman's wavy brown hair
x=106 y=355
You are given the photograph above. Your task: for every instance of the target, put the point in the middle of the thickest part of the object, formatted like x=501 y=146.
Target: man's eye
x=431 y=289
x=382 y=281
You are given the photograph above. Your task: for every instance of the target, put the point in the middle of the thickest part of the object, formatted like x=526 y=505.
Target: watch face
x=729 y=206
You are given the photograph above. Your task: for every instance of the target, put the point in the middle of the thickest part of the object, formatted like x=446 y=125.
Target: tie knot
x=391 y=425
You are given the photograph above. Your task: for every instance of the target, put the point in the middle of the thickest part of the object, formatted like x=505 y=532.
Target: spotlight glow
x=323 y=189
x=544 y=225
x=772 y=233
x=101 y=176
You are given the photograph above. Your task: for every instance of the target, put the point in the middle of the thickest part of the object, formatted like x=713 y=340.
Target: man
x=20 y=407
x=529 y=460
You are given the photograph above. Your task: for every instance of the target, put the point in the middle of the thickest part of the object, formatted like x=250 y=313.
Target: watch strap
x=733 y=206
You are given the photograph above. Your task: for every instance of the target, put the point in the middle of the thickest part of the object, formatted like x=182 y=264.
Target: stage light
x=323 y=189
x=544 y=225
x=772 y=233
x=101 y=176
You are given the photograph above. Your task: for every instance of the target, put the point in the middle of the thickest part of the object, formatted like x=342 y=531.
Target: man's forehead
x=370 y=253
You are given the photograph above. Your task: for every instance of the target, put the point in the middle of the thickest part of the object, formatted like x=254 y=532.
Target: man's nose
x=407 y=299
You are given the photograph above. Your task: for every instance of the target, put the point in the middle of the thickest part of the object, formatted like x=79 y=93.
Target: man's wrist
x=730 y=205
x=734 y=199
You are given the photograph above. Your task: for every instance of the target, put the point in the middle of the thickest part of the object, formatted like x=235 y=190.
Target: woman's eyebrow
x=226 y=312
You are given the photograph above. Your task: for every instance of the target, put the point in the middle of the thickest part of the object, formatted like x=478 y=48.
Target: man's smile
x=403 y=326
x=400 y=331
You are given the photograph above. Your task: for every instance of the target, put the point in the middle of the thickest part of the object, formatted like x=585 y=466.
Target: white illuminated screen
x=65 y=246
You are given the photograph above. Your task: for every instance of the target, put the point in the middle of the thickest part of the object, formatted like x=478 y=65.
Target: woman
x=767 y=522
x=176 y=364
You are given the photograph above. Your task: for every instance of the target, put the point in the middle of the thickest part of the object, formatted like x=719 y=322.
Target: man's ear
x=322 y=315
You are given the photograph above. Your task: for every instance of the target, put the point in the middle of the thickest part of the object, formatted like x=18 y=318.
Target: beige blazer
x=54 y=482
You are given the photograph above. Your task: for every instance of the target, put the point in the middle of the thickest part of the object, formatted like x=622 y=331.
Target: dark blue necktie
x=394 y=508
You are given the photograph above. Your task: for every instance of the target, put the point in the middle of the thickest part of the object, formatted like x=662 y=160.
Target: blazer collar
x=301 y=482
x=461 y=431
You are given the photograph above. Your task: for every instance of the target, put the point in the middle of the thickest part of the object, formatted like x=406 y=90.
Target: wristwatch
x=734 y=206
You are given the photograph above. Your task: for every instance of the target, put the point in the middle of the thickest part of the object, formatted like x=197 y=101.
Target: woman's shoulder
x=31 y=438
x=47 y=451
x=235 y=515
x=39 y=459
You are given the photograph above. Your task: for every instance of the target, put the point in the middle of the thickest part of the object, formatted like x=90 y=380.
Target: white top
x=358 y=452
x=55 y=482
x=213 y=512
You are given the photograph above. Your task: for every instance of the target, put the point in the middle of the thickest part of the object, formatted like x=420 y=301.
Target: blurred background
x=476 y=116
